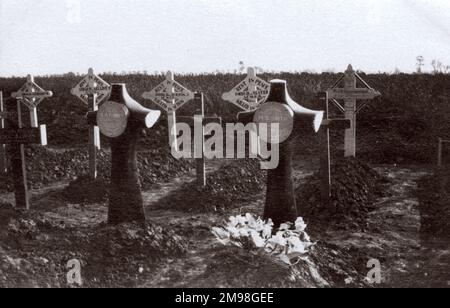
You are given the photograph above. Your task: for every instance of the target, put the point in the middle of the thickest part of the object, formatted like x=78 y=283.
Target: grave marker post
x=17 y=136
x=293 y=120
x=92 y=90
x=325 y=146
x=350 y=94
x=3 y=160
x=248 y=95
x=200 y=120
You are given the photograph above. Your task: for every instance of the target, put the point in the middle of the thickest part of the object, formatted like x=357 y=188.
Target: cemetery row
x=119 y=117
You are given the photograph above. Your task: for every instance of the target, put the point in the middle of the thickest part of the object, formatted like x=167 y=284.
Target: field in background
x=402 y=127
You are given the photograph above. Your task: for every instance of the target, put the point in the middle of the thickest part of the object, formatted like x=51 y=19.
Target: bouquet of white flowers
x=290 y=243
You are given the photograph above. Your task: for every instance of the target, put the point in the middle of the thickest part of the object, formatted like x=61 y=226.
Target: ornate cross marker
x=250 y=93
x=92 y=90
x=325 y=156
x=280 y=109
x=121 y=118
x=170 y=96
x=350 y=94
x=16 y=136
x=31 y=95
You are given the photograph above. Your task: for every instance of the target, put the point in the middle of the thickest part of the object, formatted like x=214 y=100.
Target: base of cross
x=16 y=139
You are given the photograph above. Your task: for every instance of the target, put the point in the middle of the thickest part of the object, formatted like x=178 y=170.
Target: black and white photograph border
x=252 y=144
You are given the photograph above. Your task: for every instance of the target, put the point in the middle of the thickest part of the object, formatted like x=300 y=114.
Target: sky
x=43 y=37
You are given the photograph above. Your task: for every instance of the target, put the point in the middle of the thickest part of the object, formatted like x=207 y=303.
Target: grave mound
x=46 y=166
x=355 y=186
x=121 y=256
x=434 y=196
x=233 y=183
x=86 y=190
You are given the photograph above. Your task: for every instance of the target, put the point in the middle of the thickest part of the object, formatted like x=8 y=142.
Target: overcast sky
x=58 y=36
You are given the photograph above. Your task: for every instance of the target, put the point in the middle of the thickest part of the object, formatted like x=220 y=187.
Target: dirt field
x=182 y=251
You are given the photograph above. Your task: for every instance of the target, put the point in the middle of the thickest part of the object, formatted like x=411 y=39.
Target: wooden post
x=350 y=114
x=325 y=153
x=3 y=160
x=94 y=139
x=34 y=122
x=19 y=169
x=199 y=149
x=440 y=152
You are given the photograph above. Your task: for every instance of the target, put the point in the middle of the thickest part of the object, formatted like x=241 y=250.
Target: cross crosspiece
x=350 y=94
x=325 y=148
x=248 y=96
x=31 y=95
x=293 y=120
x=92 y=90
x=122 y=119
x=170 y=96
x=198 y=121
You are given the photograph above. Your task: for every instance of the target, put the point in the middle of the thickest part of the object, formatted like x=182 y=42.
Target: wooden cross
x=199 y=149
x=248 y=96
x=325 y=149
x=3 y=116
x=170 y=96
x=350 y=94
x=92 y=90
x=31 y=95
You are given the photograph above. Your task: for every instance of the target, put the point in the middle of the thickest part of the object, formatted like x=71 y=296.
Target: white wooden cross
x=170 y=96
x=350 y=94
x=92 y=90
x=248 y=95
x=31 y=95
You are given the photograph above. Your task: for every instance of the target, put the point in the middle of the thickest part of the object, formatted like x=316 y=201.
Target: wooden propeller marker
x=350 y=94
x=248 y=95
x=293 y=120
x=92 y=90
x=325 y=148
x=121 y=118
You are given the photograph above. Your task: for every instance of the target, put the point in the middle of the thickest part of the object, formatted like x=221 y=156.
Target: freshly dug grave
x=355 y=186
x=434 y=196
x=238 y=181
x=46 y=166
x=35 y=250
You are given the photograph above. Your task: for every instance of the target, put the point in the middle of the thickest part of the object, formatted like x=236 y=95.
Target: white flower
x=285 y=227
x=257 y=240
x=300 y=225
x=278 y=239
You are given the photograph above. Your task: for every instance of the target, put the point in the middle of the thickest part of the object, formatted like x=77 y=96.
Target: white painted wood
x=91 y=84
x=3 y=160
x=31 y=94
x=249 y=93
x=350 y=94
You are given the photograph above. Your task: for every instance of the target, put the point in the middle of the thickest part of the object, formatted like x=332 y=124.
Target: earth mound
x=235 y=182
x=355 y=186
